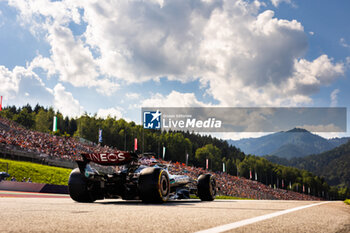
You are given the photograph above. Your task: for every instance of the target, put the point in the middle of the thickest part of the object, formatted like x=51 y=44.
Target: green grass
x=223 y=197
x=38 y=173
x=347 y=201
x=233 y=198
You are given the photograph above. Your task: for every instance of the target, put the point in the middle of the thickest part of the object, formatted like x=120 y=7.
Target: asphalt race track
x=21 y=213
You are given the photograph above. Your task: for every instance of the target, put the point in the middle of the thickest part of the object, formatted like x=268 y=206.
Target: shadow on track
x=191 y=203
x=140 y=203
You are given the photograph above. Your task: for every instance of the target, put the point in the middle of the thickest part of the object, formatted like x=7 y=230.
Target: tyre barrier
x=33 y=187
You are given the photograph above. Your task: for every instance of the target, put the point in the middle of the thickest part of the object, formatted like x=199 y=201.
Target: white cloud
x=277 y=2
x=308 y=76
x=343 y=43
x=43 y=63
x=334 y=97
x=75 y=62
x=262 y=66
x=139 y=41
x=2 y=20
x=70 y=57
x=321 y=128
x=65 y=102
x=243 y=56
x=174 y=99
x=132 y=95
x=62 y=12
x=9 y=82
x=116 y=113
x=21 y=86
x=332 y=135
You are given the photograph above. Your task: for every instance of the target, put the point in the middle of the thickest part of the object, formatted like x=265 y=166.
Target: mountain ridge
x=296 y=142
x=334 y=164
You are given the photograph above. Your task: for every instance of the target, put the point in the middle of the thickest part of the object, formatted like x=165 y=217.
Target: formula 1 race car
x=150 y=183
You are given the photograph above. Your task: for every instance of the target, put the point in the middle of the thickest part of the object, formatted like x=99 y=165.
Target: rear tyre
x=154 y=185
x=78 y=187
x=206 y=187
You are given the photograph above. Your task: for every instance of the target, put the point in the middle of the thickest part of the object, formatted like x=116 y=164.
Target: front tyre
x=206 y=187
x=154 y=185
x=78 y=187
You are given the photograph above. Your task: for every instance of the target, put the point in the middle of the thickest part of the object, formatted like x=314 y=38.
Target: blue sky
x=112 y=58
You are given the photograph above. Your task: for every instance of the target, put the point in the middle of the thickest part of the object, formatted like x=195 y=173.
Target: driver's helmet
x=145 y=161
x=153 y=160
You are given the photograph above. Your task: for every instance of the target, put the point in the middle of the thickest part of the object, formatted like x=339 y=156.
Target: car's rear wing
x=107 y=159
x=117 y=158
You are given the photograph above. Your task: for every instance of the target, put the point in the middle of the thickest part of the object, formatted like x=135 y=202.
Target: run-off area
x=65 y=215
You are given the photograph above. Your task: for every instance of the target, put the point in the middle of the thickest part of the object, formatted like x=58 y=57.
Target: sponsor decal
x=106 y=158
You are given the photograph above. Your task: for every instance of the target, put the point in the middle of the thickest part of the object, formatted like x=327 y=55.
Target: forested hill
x=334 y=165
x=288 y=144
x=121 y=134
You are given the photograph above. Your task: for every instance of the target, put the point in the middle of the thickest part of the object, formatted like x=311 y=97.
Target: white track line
x=245 y=222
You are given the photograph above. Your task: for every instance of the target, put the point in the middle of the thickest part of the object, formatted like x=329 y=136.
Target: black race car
x=135 y=180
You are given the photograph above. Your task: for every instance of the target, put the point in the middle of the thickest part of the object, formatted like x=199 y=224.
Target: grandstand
x=17 y=142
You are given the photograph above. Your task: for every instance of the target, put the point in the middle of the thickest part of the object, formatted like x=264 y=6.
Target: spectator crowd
x=14 y=136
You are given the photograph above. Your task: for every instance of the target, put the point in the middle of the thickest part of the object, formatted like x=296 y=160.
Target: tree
x=210 y=152
x=72 y=126
x=42 y=121
x=37 y=108
x=24 y=118
x=88 y=128
x=29 y=108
